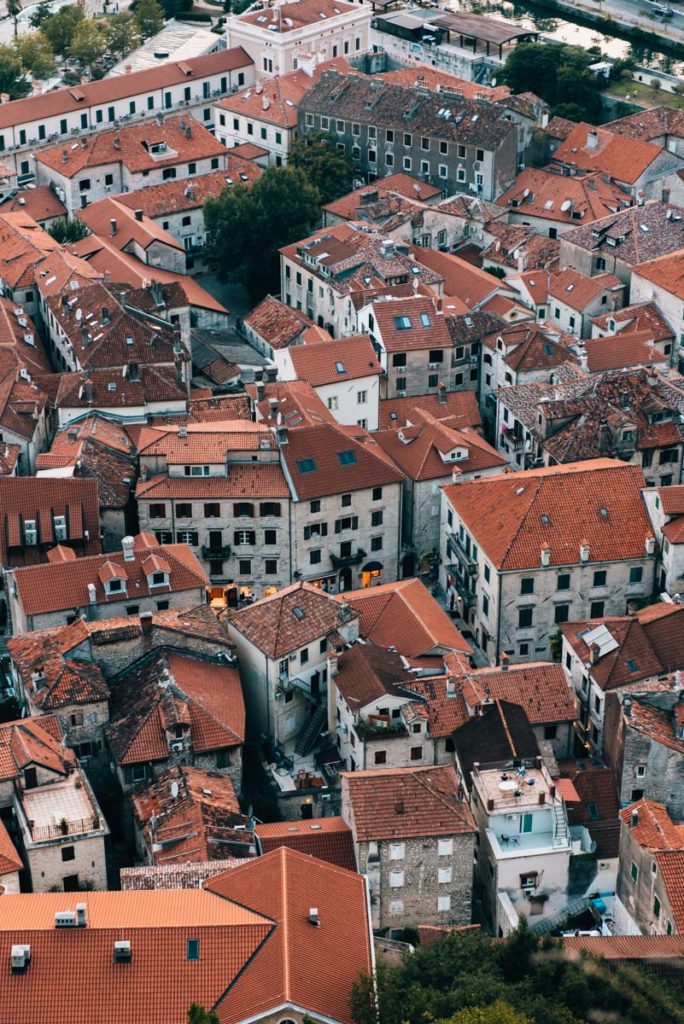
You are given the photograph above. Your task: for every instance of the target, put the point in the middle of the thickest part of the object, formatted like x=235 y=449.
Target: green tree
x=198 y=1015
x=60 y=28
x=559 y=74
x=9 y=710
x=88 y=44
x=68 y=230
x=13 y=78
x=42 y=12
x=326 y=168
x=36 y=54
x=14 y=9
x=123 y=34
x=150 y=17
x=496 y=1013
x=247 y=227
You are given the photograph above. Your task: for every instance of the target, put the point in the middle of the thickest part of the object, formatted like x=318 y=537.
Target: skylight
x=306 y=465
x=425 y=319
x=298 y=613
x=347 y=458
x=402 y=323
x=631 y=665
x=340 y=367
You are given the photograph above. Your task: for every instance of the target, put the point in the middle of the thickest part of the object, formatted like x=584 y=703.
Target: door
x=525 y=822
x=345 y=580
x=70 y=883
x=316 y=684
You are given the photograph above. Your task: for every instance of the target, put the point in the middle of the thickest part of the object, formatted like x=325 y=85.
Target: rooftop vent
x=20 y=958
x=65 y=919
x=314 y=918
x=122 y=952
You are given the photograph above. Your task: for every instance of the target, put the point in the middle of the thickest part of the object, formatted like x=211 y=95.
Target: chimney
x=127 y=547
x=504 y=662
x=260 y=391
x=442 y=392
x=451 y=687
x=584 y=551
x=592 y=140
x=665 y=195
x=546 y=555
x=113 y=223
x=273 y=406
x=92 y=594
x=594 y=654
x=281 y=436
x=345 y=612
x=634 y=819
x=65 y=156
x=650 y=545
x=314 y=919
x=72 y=436
x=332 y=665
x=81 y=915
x=146 y=623
x=627 y=706
x=138 y=215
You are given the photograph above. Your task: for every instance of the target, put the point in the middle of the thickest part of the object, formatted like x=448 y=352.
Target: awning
x=372 y=567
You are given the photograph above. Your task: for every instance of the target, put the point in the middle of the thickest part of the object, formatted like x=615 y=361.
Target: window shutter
x=324 y=529
x=307 y=532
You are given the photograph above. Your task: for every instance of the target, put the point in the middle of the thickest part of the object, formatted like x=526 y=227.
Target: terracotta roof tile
x=671 y=867
x=331 y=362
x=621 y=351
x=405 y=615
x=654 y=829
x=410 y=324
x=367 y=672
x=328 y=839
x=292 y=16
x=578 y=290
x=634 y=236
x=182 y=194
x=45 y=588
x=33 y=741
x=628 y=947
x=40 y=500
x=504 y=513
x=541 y=689
x=563 y=199
x=250 y=480
x=191 y=875
x=10 y=861
x=287 y=620
x=41 y=203
x=420 y=450
x=277 y=324
x=459 y=409
x=610 y=153
x=406 y=802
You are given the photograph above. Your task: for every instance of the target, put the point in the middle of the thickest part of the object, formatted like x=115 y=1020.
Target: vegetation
x=317 y=155
x=59 y=28
x=13 y=78
x=9 y=710
x=559 y=74
x=247 y=226
x=14 y=9
x=65 y=230
x=123 y=34
x=36 y=54
x=468 y=979
x=198 y=1015
x=149 y=16
x=88 y=44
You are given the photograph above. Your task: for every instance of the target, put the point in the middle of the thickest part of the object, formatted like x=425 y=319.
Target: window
x=243 y=509
x=315 y=557
x=485 y=605
x=527 y=585
x=376 y=518
x=397 y=851
x=401 y=383
x=600 y=577
x=164 y=536
x=523 y=650
x=399 y=359
x=461 y=150
x=596 y=610
x=193 y=948
x=168 y=173
x=444 y=876
x=346 y=523
x=68 y=853
x=396 y=878
x=396 y=907
x=315 y=530
x=656 y=907
x=271 y=566
x=269 y=508
x=376 y=544
x=347 y=458
x=445 y=847
x=184 y=510
x=563 y=582
x=406 y=163
x=380 y=757
x=346 y=500
x=361 y=397
x=634 y=872
x=76 y=718
x=270 y=537
x=640 y=771
x=242 y=537
x=561 y=613
x=524 y=618
x=212 y=510
x=245 y=566
x=443 y=903
x=636 y=574
x=158 y=510
x=377 y=494
x=593 y=811
x=315 y=506
x=416 y=753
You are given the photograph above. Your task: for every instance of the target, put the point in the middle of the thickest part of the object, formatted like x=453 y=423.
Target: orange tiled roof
x=420 y=450
x=400 y=185
x=461 y=279
x=667 y=272
x=671 y=866
x=628 y=947
x=46 y=588
x=367 y=673
x=623 y=159
x=328 y=839
x=39 y=499
x=249 y=480
x=513 y=516
x=620 y=352
x=275 y=100
x=290 y=16
x=564 y=199
x=181 y=194
x=10 y=861
x=578 y=290
x=405 y=615
x=405 y=802
x=276 y=323
x=34 y=741
x=276 y=627
x=654 y=829
x=329 y=362
x=299 y=965
x=541 y=689
x=412 y=323
x=458 y=408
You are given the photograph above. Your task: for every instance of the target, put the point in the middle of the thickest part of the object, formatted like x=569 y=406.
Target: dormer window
x=114 y=586
x=158 y=579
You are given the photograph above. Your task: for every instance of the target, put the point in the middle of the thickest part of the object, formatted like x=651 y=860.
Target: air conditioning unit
x=20 y=958
x=177 y=746
x=401 y=394
x=109 y=188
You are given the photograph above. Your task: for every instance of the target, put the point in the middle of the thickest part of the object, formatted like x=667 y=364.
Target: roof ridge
x=521 y=520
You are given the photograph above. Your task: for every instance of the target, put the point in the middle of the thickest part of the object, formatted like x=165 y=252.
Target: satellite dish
x=174 y=790
x=79 y=314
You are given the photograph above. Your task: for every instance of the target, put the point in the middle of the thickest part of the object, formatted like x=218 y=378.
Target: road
x=631 y=12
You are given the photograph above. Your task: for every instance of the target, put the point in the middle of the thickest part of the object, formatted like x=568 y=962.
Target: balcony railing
x=338 y=562
x=69 y=828
x=212 y=552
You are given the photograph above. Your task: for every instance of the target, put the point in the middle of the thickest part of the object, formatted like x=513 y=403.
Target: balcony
x=340 y=563
x=215 y=552
x=465 y=559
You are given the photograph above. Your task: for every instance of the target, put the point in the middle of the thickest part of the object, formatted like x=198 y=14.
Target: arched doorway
x=344 y=581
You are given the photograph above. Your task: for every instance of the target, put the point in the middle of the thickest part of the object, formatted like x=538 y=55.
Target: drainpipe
x=498 y=618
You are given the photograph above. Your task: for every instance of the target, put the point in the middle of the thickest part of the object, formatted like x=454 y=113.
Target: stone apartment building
x=220 y=488
x=345 y=519
x=335 y=272
x=648 y=898
x=281 y=39
x=631 y=415
x=414 y=837
x=128 y=159
x=171 y=709
x=574 y=299
x=616 y=655
x=39 y=122
x=144 y=576
x=644 y=742
x=522 y=553
x=459 y=145
x=283 y=643
x=660 y=281
x=666 y=507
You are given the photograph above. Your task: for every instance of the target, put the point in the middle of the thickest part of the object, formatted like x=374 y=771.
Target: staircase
x=561 y=836
x=306 y=740
x=547 y=924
